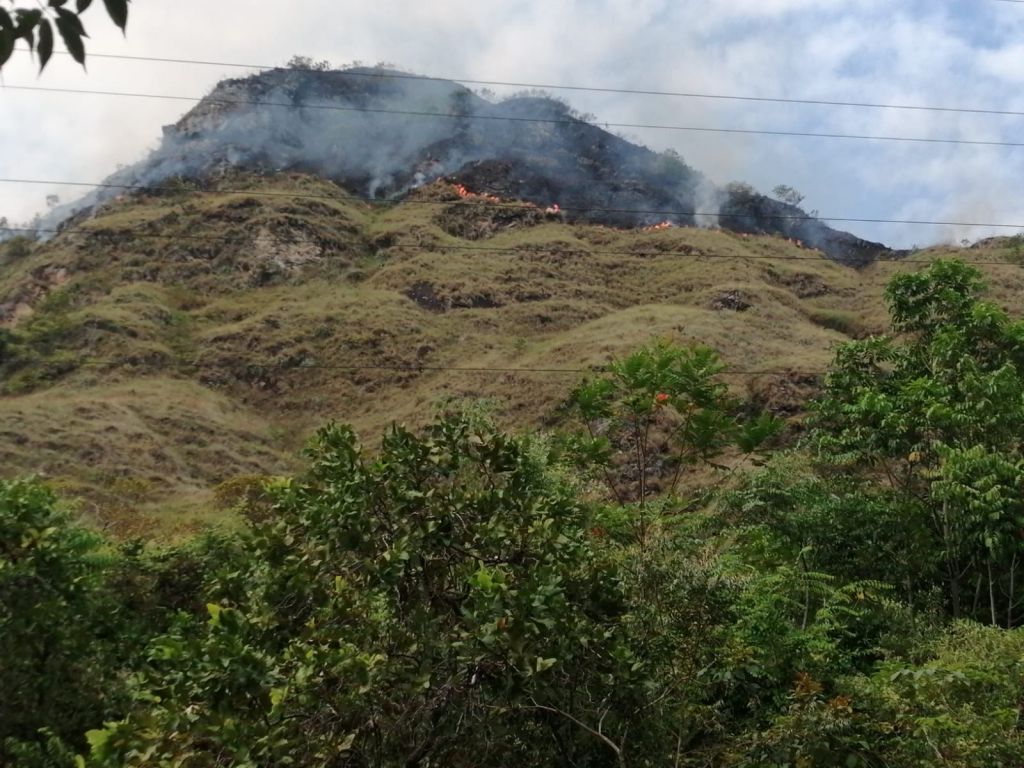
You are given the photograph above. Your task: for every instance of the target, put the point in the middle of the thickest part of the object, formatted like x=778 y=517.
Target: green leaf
x=118 y=10
x=82 y=5
x=45 y=43
x=30 y=38
x=28 y=20
x=5 y=20
x=6 y=44
x=72 y=21
x=71 y=38
x=97 y=739
x=543 y=664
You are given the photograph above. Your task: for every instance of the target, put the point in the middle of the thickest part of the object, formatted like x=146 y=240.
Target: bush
x=58 y=626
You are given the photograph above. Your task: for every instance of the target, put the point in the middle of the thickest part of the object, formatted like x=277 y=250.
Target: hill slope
x=183 y=338
x=383 y=133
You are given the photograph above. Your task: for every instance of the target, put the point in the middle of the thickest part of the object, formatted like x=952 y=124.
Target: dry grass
x=218 y=345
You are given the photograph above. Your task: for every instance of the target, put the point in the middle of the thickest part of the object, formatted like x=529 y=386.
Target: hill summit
x=383 y=133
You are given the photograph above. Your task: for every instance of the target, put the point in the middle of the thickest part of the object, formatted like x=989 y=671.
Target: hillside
x=185 y=337
x=383 y=134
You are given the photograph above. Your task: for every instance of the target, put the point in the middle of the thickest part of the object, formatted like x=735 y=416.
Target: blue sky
x=955 y=53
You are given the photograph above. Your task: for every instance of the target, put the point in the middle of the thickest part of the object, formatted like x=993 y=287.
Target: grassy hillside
x=177 y=341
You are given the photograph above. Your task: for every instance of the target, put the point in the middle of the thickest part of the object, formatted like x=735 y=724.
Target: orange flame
x=464 y=193
x=656 y=227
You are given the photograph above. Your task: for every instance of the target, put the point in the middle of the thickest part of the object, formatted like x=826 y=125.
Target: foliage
x=403 y=609
x=57 y=635
x=663 y=410
x=960 y=707
x=934 y=417
x=460 y=597
x=306 y=64
x=787 y=194
x=35 y=27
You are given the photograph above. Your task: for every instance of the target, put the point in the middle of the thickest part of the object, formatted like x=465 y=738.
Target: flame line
x=502 y=204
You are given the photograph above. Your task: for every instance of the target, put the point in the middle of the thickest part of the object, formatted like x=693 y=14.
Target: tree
x=57 y=638
x=444 y=603
x=35 y=27
x=933 y=418
x=787 y=194
x=661 y=411
x=306 y=64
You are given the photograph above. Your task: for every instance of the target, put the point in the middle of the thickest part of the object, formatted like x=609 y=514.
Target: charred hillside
x=382 y=134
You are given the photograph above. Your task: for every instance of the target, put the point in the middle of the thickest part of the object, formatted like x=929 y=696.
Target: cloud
x=959 y=53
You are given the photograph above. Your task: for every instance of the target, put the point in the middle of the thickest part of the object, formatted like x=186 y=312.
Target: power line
x=441 y=247
x=171 y=364
x=510 y=118
x=391 y=75
x=504 y=205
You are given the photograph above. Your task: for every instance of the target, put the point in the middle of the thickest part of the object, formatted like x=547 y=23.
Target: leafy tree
x=661 y=411
x=958 y=707
x=444 y=603
x=787 y=194
x=58 y=644
x=35 y=26
x=307 y=64
x=934 y=417
x=854 y=531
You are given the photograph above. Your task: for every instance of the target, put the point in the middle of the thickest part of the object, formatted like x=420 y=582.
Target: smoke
x=381 y=135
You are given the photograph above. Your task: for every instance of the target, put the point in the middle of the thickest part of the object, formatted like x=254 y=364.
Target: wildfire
x=656 y=227
x=464 y=193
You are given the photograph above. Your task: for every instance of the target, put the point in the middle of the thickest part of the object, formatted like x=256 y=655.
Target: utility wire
x=562 y=87
x=510 y=118
x=500 y=205
x=170 y=364
x=441 y=247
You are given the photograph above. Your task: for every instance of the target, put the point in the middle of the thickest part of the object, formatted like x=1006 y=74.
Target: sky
x=949 y=53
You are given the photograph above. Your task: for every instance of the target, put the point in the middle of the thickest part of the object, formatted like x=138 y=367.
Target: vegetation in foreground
x=466 y=597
